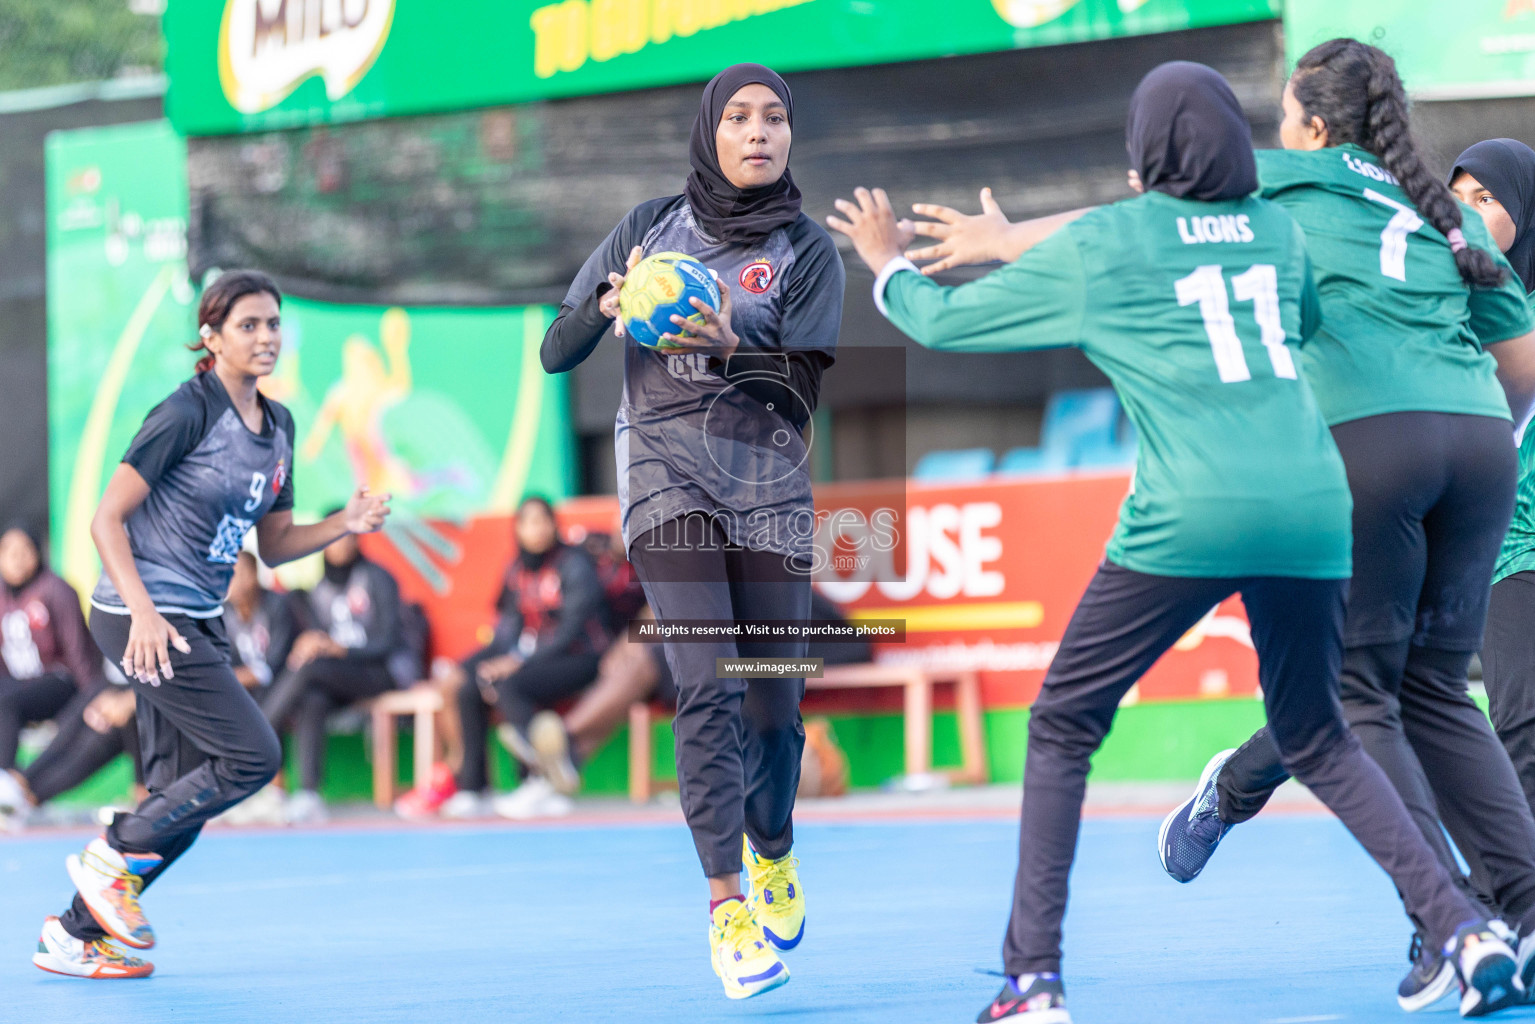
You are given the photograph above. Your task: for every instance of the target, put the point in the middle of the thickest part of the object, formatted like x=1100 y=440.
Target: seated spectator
x=47 y=656
x=261 y=625
x=95 y=727
x=552 y=629
x=631 y=671
x=344 y=658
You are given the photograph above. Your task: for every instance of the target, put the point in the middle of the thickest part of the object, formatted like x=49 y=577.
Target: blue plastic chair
x=954 y=466
x=1031 y=461
x=1075 y=422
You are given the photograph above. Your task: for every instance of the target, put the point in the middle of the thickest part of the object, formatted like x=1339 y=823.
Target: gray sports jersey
x=689 y=439
x=210 y=480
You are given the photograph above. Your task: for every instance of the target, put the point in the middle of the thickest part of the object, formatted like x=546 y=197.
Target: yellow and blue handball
x=660 y=287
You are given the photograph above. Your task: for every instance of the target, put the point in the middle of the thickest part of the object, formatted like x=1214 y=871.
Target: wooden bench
x=918 y=684
x=421 y=701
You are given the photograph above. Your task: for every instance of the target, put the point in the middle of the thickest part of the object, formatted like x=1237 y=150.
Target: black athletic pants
x=309 y=694
x=1508 y=672
x=1124 y=623
x=541 y=682
x=29 y=700
x=739 y=741
x=205 y=744
x=1432 y=497
x=78 y=751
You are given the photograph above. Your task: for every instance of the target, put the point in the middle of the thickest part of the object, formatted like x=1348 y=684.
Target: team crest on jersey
x=357 y=600
x=279 y=475
x=37 y=614
x=757 y=277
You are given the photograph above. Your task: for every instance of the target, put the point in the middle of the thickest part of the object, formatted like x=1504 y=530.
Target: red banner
x=991 y=574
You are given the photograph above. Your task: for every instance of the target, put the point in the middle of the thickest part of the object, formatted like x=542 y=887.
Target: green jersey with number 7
x=1401 y=332
x=1193 y=309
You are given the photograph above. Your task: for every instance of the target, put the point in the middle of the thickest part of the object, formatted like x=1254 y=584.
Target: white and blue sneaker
x=1488 y=969
x=1189 y=835
x=1431 y=978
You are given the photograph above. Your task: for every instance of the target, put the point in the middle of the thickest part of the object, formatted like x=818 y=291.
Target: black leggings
x=1508 y=672
x=205 y=745
x=542 y=681
x=23 y=701
x=1122 y=625
x=78 y=751
x=311 y=693
x=739 y=741
x=1432 y=497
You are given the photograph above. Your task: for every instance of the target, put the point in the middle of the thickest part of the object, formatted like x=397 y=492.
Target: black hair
x=1354 y=88
x=539 y=500
x=219 y=299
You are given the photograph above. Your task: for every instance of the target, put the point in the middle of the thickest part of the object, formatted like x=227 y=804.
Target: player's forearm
x=938 y=318
x=1026 y=234
x=1516 y=372
x=281 y=543
x=574 y=334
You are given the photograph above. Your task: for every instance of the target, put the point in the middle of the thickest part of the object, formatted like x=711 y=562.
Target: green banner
x=448 y=409
x=246 y=65
x=1444 y=49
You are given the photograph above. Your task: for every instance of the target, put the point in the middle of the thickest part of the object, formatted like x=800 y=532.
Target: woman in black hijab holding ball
x=714 y=487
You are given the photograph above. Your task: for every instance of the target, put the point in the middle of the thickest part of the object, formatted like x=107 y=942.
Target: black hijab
x=1187 y=135
x=1506 y=168
x=725 y=212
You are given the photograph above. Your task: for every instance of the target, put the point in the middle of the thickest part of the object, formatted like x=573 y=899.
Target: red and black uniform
x=47 y=655
x=553 y=616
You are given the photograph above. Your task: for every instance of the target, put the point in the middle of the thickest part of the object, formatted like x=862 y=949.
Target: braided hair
x=1355 y=90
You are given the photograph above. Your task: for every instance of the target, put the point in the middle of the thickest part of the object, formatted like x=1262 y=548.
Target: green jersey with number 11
x=1401 y=332
x=1191 y=309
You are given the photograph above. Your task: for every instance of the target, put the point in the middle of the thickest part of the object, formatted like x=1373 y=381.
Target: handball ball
x=660 y=287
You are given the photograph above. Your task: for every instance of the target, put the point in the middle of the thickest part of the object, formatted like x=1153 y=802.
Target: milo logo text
x=567 y=35
x=268 y=47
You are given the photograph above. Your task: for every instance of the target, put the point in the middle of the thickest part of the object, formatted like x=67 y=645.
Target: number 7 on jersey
x=1258 y=284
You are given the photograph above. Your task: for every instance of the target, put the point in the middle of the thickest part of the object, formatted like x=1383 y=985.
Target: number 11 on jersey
x=1258 y=284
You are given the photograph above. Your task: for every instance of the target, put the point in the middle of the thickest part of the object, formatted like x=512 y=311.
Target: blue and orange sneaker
x=1029 y=999
x=110 y=883
x=59 y=952
x=776 y=897
x=744 y=962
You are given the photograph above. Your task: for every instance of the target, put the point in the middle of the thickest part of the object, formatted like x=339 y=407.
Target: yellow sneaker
x=775 y=896
x=744 y=962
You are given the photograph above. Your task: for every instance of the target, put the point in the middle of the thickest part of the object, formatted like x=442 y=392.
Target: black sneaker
x=1042 y=1000
x=1190 y=834
x=1487 y=968
x=1430 y=980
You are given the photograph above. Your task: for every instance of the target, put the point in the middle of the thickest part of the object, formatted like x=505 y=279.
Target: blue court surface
x=1290 y=924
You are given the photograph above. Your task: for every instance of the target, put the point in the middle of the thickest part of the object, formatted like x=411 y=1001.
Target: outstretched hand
x=871 y=223
x=714 y=335
x=365 y=511
x=963 y=239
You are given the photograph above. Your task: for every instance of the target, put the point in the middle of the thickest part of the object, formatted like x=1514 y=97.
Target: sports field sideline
x=478 y=922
